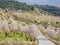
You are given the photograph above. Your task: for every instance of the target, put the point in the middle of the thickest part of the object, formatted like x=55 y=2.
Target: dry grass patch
x=14 y=42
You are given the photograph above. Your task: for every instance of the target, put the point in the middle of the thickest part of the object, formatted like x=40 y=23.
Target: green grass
x=2 y=36
x=58 y=37
x=16 y=36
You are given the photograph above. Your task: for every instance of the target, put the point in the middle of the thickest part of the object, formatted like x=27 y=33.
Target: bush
x=2 y=36
x=44 y=23
x=10 y=34
x=58 y=37
x=35 y=22
x=55 y=24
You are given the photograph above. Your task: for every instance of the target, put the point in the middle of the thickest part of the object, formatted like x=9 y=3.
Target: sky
x=42 y=2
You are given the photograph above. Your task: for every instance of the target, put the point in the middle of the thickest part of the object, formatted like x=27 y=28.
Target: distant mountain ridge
x=51 y=9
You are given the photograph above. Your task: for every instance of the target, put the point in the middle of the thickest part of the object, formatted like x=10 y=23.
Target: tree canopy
x=13 y=4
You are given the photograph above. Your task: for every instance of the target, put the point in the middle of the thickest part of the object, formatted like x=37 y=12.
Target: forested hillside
x=13 y=4
x=50 y=9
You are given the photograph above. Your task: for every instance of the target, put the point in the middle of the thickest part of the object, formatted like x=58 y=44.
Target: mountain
x=51 y=9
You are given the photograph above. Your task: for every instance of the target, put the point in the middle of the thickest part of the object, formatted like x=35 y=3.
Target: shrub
x=44 y=23
x=53 y=24
x=56 y=24
x=35 y=22
x=2 y=36
x=58 y=37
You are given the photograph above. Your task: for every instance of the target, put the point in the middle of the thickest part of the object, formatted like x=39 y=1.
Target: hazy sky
x=42 y=2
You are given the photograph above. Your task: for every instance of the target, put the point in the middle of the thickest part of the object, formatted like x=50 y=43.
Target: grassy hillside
x=30 y=17
x=18 y=20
